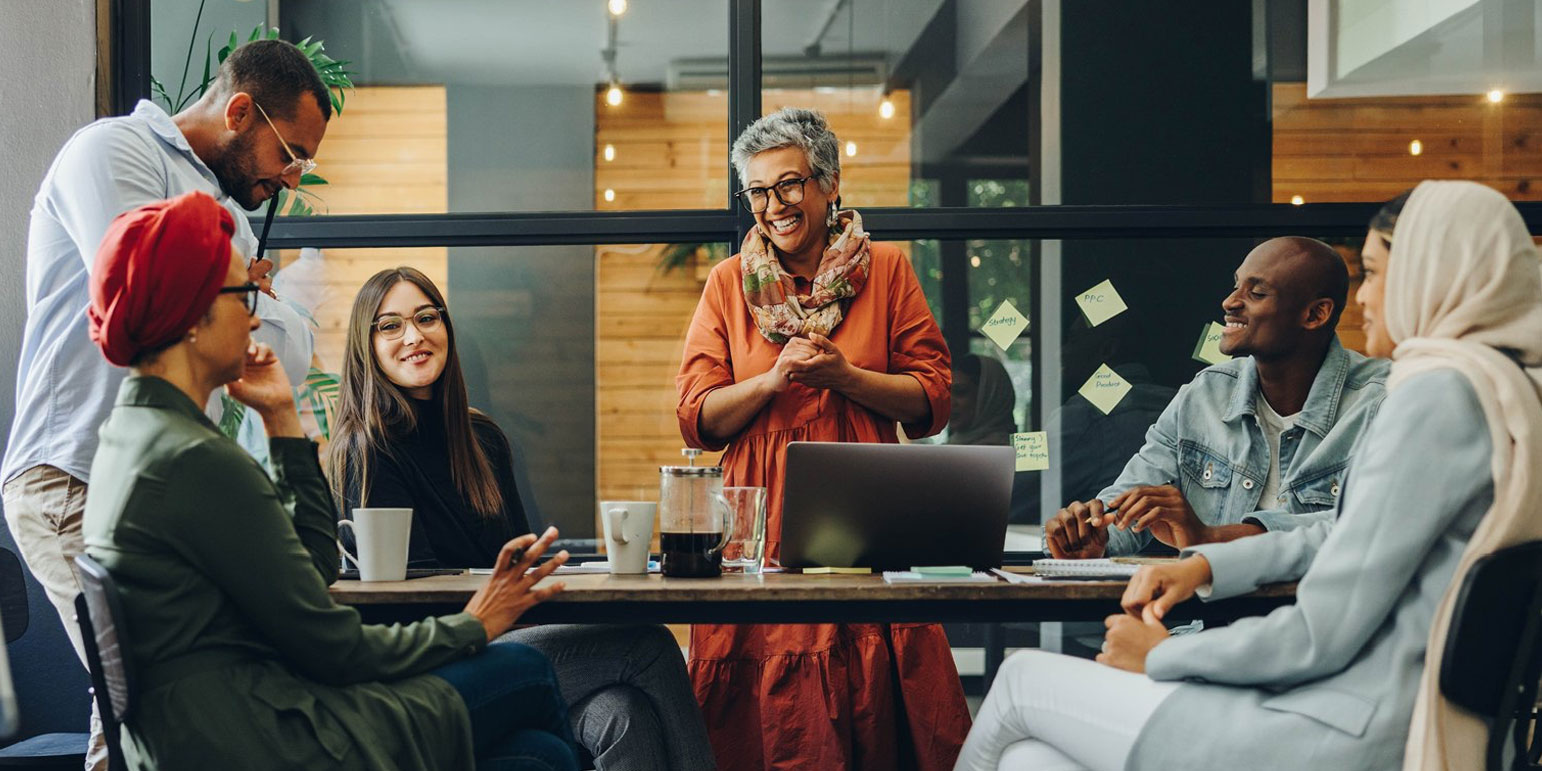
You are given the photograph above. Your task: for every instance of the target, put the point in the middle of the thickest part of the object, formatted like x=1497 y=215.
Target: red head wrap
x=158 y=270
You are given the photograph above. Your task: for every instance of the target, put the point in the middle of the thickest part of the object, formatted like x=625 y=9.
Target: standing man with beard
x=1255 y=444
x=254 y=131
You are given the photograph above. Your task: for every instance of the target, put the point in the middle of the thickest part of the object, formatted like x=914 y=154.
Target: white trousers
x=1048 y=712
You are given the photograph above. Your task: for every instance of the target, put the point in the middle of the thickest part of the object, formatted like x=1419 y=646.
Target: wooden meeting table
x=788 y=598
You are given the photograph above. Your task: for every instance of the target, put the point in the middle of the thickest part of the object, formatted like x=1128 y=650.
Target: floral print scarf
x=780 y=312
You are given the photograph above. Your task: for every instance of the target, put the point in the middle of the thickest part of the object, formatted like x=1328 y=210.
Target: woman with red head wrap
x=224 y=570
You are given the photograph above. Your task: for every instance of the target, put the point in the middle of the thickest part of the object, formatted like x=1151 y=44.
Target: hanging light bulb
x=613 y=95
x=610 y=195
x=886 y=108
x=851 y=148
x=1416 y=147
x=610 y=152
x=617 y=7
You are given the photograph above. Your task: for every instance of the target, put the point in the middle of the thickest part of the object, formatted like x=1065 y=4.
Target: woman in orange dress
x=813 y=332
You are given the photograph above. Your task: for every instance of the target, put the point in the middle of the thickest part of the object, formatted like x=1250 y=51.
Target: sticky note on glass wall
x=1101 y=303
x=1105 y=389
x=1004 y=325
x=1208 y=349
x=1032 y=450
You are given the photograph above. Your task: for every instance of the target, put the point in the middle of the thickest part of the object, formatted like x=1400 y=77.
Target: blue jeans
x=519 y=720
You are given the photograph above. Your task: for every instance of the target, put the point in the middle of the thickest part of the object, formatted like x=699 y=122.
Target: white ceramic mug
x=628 y=533
x=381 y=536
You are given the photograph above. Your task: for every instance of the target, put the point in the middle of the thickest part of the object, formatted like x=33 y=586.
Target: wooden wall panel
x=1358 y=149
x=385 y=153
x=671 y=152
x=1329 y=150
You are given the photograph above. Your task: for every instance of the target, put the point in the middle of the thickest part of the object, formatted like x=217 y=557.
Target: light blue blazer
x=1330 y=681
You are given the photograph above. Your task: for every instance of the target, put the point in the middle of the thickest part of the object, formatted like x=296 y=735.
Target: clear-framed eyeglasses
x=296 y=163
x=391 y=326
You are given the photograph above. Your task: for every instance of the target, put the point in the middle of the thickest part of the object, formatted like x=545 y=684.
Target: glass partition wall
x=562 y=170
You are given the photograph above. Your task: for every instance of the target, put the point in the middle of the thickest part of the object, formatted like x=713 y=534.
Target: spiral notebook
x=1093 y=568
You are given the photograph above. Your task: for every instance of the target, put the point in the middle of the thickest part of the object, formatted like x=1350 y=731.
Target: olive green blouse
x=243 y=658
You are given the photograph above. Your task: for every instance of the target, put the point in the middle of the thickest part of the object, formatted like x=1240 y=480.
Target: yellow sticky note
x=1004 y=325
x=1208 y=349
x=1105 y=389
x=1032 y=450
x=1101 y=303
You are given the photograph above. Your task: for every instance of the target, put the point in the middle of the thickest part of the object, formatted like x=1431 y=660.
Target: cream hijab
x=1464 y=289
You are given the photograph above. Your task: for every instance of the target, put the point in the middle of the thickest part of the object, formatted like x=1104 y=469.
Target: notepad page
x=912 y=577
x=1083 y=568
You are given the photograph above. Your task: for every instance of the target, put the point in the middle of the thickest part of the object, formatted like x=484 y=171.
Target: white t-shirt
x=1273 y=425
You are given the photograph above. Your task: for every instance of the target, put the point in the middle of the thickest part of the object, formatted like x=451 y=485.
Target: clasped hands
x=1151 y=593
x=1080 y=530
x=813 y=361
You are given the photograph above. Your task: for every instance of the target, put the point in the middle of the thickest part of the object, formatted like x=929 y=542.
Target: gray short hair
x=791 y=127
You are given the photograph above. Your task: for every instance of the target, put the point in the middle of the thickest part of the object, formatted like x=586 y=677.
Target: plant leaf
x=207 y=47
x=312 y=179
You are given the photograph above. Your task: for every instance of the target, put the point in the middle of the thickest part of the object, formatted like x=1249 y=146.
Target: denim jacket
x=1208 y=443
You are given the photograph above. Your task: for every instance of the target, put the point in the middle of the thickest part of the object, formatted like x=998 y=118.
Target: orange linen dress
x=820 y=696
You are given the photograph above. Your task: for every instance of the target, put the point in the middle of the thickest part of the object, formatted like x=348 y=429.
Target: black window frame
x=126 y=47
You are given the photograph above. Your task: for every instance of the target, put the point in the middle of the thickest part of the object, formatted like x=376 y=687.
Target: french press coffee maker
x=694 y=519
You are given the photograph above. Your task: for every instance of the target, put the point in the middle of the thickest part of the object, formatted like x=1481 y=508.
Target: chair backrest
x=1491 y=662
x=13 y=596
x=49 y=680
x=106 y=638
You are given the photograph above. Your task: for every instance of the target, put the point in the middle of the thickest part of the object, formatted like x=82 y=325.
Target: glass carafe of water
x=694 y=519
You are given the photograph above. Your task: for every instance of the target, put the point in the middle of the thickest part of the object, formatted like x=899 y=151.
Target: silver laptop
x=894 y=506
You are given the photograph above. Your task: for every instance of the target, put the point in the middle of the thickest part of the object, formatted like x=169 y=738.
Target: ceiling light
x=610 y=152
x=886 y=109
x=617 y=7
x=1496 y=96
x=1416 y=147
x=610 y=195
x=974 y=261
x=851 y=148
x=613 y=95
x=1297 y=200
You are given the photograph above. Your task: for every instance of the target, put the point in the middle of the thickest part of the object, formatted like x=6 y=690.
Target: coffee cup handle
x=344 y=549
x=617 y=532
x=728 y=524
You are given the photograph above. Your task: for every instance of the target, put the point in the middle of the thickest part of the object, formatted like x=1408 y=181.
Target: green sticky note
x=943 y=570
x=1105 y=389
x=1101 y=303
x=1208 y=349
x=1032 y=450
x=1004 y=325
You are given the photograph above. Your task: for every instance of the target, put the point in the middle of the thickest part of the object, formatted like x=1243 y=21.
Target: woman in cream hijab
x=1445 y=474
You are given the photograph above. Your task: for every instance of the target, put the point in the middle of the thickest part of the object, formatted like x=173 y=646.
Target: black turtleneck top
x=446 y=530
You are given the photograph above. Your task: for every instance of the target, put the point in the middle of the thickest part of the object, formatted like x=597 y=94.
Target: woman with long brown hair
x=407 y=437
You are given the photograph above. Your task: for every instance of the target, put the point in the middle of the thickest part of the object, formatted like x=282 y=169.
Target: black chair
x=99 y=609
x=45 y=673
x=1492 y=661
